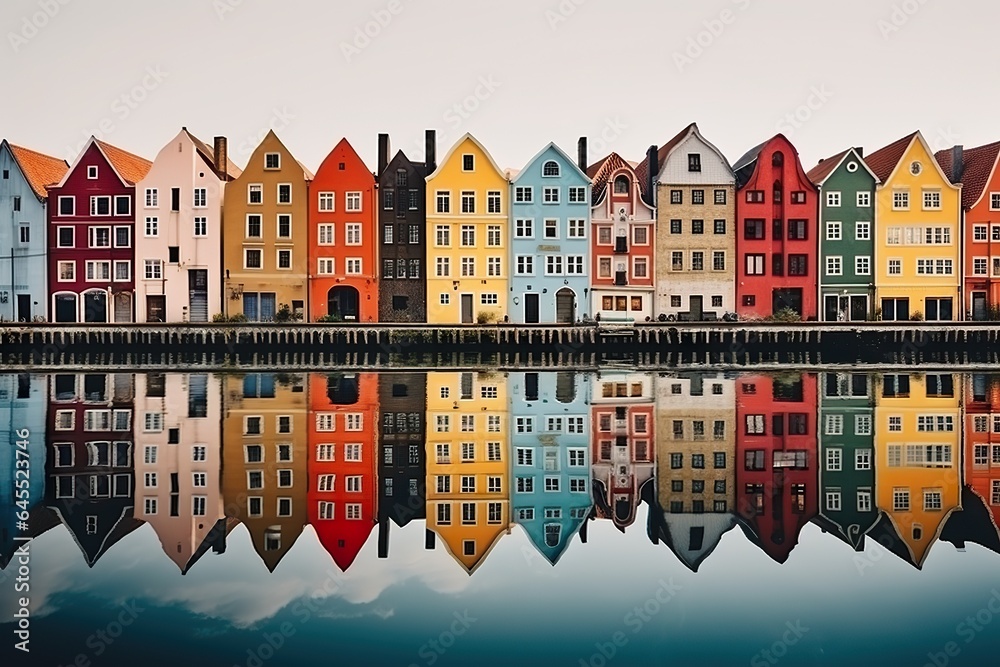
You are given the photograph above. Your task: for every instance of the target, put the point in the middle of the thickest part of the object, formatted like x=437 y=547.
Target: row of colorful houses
x=903 y=459
x=901 y=233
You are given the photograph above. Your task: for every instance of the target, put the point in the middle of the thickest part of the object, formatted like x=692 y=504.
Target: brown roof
x=208 y=154
x=642 y=171
x=601 y=171
x=825 y=167
x=883 y=161
x=131 y=168
x=977 y=165
x=39 y=169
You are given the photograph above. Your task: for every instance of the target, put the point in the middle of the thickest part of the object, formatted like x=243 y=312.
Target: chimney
x=221 y=158
x=860 y=151
x=430 y=151
x=429 y=539
x=383 y=525
x=957 y=163
x=581 y=152
x=383 y=154
x=653 y=156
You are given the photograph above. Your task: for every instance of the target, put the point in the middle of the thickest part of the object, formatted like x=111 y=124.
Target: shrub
x=485 y=317
x=917 y=317
x=786 y=315
x=285 y=314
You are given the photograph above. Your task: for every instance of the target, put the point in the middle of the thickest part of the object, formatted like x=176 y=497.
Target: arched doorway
x=95 y=306
x=565 y=306
x=343 y=302
x=123 y=307
x=65 y=308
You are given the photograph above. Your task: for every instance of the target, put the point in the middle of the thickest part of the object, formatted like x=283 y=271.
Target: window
x=469 y=517
x=578 y=195
x=834 y=459
x=550 y=195
x=833 y=199
x=326 y=266
x=753 y=230
x=798 y=265
x=255 y=193
x=252 y=258
x=895 y=267
x=833 y=500
x=327 y=202
x=353 y=483
x=353 y=202
x=834 y=266
x=798 y=230
x=697 y=263
x=551 y=228
x=524 y=194
x=864 y=199
x=201 y=226
x=833 y=231
x=755 y=265
x=900 y=500
x=443 y=201
x=67 y=206
x=932 y=200
x=901 y=200
x=863 y=265
x=272 y=161
x=698 y=197
x=353 y=233
x=755 y=196
x=468 y=201
x=284 y=226
x=493 y=238
x=153 y=269
x=676 y=196
x=284 y=259
x=493 y=202
x=254 y=227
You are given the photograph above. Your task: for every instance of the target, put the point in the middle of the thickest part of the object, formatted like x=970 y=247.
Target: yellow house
x=917 y=456
x=265 y=235
x=917 y=270
x=467 y=244
x=468 y=490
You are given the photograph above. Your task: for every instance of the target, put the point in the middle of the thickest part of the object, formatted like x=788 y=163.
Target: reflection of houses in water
x=846 y=457
x=693 y=502
x=622 y=451
x=343 y=430
x=550 y=457
x=776 y=452
x=23 y=401
x=402 y=466
x=917 y=460
x=468 y=492
x=179 y=463
x=90 y=458
x=264 y=436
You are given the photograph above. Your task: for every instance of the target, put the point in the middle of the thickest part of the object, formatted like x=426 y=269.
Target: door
x=343 y=303
x=787 y=298
x=268 y=306
x=859 y=308
x=979 y=306
x=23 y=307
x=198 y=295
x=156 y=308
x=123 y=307
x=467 y=315
x=65 y=309
x=830 y=307
x=530 y=309
x=565 y=306
x=95 y=307
x=697 y=308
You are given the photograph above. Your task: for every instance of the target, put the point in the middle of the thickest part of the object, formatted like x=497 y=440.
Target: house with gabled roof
x=91 y=236
x=23 y=264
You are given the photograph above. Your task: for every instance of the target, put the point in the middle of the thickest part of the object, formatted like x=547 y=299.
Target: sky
x=517 y=74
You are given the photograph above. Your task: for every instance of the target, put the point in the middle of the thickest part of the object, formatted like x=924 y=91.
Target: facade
x=402 y=219
x=550 y=457
x=847 y=457
x=695 y=489
x=264 y=263
x=25 y=175
x=918 y=241
x=343 y=431
x=918 y=457
x=976 y=170
x=343 y=251
x=846 y=237
x=91 y=236
x=179 y=468
x=264 y=440
x=695 y=229
x=402 y=464
x=549 y=240
x=621 y=243
x=467 y=199
x=623 y=435
x=776 y=209
x=90 y=468
x=776 y=478
x=468 y=475
x=178 y=243
x=981 y=456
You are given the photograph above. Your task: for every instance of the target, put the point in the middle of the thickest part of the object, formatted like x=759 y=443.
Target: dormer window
x=272 y=161
x=621 y=185
x=694 y=161
x=92 y=173
x=551 y=168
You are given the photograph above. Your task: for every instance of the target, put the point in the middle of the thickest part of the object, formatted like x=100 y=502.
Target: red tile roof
x=825 y=167
x=977 y=166
x=601 y=171
x=41 y=170
x=642 y=171
x=131 y=168
x=883 y=161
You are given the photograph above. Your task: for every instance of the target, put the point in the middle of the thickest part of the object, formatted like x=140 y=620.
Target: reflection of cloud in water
x=235 y=587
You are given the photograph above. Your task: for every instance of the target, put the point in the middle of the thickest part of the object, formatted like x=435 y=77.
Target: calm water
x=454 y=518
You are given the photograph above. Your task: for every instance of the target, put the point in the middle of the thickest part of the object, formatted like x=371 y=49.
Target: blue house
x=550 y=457
x=549 y=240
x=23 y=201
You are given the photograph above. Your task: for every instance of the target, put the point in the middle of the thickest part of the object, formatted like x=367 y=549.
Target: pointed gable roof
x=601 y=171
x=642 y=171
x=824 y=168
x=207 y=153
x=978 y=165
x=515 y=174
x=39 y=170
x=131 y=168
x=884 y=161
x=451 y=153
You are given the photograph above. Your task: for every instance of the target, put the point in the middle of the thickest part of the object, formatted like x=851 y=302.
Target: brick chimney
x=430 y=151
x=383 y=154
x=957 y=163
x=581 y=154
x=221 y=158
x=653 y=156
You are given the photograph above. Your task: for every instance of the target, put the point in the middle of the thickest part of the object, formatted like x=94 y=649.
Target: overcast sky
x=517 y=74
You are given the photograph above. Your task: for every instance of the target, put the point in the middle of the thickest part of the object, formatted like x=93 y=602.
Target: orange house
x=343 y=431
x=343 y=246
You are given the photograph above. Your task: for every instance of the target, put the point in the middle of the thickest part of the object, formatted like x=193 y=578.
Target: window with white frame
x=834 y=458
x=200 y=198
x=327 y=202
x=468 y=201
x=353 y=233
x=524 y=228
x=862 y=231
x=578 y=195
x=834 y=266
x=353 y=202
x=550 y=195
x=863 y=265
x=354 y=266
x=833 y=230
x=524 y=194
x=833 y=199
x=153 y=269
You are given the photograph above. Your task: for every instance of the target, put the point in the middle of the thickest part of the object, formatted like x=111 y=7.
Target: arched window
x=550 y=168
x=778 y=159
x=621 y=185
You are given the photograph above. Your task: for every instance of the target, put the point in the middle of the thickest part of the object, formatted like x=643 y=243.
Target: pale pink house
x=178 y=248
